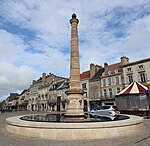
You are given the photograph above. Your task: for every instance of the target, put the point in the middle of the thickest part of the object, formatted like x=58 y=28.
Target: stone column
x=75 y=93
x=74 y=55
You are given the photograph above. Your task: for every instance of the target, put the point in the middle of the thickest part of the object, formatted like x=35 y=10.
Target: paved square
x=8 y=139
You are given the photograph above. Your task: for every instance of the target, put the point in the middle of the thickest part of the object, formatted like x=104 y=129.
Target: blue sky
x=35 y=36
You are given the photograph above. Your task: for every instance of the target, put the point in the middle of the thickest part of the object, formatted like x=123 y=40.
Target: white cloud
x=137 y=45
x=48 y=49
x=14 y=78
x=10 y=46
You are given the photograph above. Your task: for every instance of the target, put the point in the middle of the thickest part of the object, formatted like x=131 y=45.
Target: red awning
x=134 y=88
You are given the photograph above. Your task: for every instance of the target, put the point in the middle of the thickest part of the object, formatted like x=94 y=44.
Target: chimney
x=92 y=70
x=43 y=77
x=124 y=60
x=105 y=66
x=97 y=68
x=33 y=82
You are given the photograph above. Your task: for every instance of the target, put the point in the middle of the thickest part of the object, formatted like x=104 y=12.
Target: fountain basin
x=71 y=131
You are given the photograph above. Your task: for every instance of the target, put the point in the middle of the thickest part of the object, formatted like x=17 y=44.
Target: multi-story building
x=57 y=97
x=95 y=86
x=33 y=95
x=85 y=79
x=43 y=92
x=61 y=93
x=105 y=83
x=12 y=101
x=137 y=71
x=111 y=83
x=23 y=100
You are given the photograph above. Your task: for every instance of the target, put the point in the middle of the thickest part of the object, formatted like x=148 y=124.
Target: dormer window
x=116 y=71
x=109 y=72
x=103 y=74
x=129 y=69
x=141 y=67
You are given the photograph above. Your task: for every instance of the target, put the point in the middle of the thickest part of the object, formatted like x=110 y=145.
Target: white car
x=107 y=110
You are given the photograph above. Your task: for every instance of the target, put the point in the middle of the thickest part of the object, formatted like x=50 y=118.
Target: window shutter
x=119 y=79
x=133 y=78
x=146 y=76
x=139 y=79
x=127 y=79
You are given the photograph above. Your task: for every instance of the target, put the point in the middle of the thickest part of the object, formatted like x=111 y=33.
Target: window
x=95 y=85
x=105 y=93
x=36 y=99
x=117 y=80
x=90 y=93
x=105 y=107
x=95 y=95
x=141 y=67
x=142 y=77
x=118 y=90
x=109 y=81
x=99 y=84
x=110 y=93
x=90 y=85
x=109 y=73
x=129 y=69
x=116 y=71
x=104 y=82
x=103 y=74
x=90 y=89
x=84 y=86
x=130 y=78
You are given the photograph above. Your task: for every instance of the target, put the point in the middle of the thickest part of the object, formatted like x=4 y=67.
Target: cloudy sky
x=35 y=36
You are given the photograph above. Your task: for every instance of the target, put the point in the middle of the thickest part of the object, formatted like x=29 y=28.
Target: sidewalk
x=8 y=139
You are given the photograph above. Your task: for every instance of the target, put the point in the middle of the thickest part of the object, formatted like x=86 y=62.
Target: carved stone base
x=75 y=91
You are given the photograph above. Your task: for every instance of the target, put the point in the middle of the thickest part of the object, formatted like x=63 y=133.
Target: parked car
x=107 y=110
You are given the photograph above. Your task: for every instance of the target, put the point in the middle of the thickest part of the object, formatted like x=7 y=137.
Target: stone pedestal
x=75 y=105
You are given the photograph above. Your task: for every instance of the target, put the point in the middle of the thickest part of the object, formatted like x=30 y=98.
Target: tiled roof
x=98 y=74
x=85 y=75
x=13 y=96
x=113 y=68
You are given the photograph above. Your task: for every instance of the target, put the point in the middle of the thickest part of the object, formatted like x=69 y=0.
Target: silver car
x=107 y=110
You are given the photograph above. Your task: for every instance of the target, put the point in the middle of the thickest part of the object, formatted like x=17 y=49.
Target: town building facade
x=43 y=93
x=85 y=84
x=23 y=100
x=100 y=85
x=95 y=86
x=105 y=83
x=137 y=71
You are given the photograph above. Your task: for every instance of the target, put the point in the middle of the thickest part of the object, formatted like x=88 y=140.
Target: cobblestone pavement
x=8 y=139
